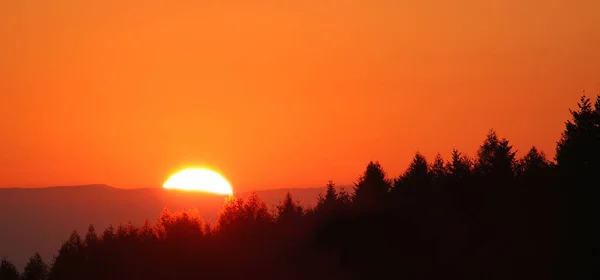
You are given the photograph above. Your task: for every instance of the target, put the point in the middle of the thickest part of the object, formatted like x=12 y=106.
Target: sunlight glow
x=199 y=179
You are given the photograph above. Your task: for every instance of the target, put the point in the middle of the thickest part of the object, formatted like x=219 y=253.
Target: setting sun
x=199 y=179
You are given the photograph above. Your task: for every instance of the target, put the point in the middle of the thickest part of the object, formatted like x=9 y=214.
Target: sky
x=280 y=93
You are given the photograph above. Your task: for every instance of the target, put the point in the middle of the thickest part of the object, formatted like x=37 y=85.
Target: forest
x=495 y=215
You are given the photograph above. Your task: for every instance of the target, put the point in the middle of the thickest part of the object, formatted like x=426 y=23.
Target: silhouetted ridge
x=85 y=186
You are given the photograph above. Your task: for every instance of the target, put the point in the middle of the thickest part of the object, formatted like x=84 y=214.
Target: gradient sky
x=280 y=93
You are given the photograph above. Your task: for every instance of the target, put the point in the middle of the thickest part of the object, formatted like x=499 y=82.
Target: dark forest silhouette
x=494 y=216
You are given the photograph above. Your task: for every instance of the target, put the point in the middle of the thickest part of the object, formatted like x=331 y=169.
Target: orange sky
x=280 y=93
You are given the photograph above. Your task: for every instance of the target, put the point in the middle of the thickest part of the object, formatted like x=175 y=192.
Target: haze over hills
x=40 y=219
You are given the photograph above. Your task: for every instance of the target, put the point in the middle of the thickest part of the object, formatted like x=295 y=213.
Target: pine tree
x=255 y=209
x=578 y=151
x=344 y=198
x=178 y=226
x=238 y=214
x=578 y=160
x=8 y=271
x=147 y=233
x=495 y=158
x=108 y=236
x=91 y=238
x=35 y=269
x=533 y=163
x=68 y=264
x=329 y=201
x=288 y=210
x=460 y=167
x=416 y=178
x=371 y=190
x=438 y=169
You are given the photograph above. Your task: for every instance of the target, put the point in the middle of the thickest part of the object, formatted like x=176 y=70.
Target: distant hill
x=40 y=219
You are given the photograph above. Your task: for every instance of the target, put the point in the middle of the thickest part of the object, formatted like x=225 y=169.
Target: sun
x=199 y=179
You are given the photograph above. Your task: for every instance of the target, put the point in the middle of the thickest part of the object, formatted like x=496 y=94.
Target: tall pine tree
x=35 y=269
x=371 y=190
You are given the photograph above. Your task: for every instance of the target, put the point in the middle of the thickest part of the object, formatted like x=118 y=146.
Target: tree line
x=492 y=216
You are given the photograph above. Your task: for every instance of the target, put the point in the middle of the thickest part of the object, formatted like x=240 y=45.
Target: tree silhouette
x=288 y=211
x=344 y=198
x=239 y=214
x=91 y=238
x=330 y=195
x=231 y=214
x=255 y=210
x=533 y=163
x=578 y=150
x=329 y=202
x=108 y=235
x=176 y=226
x=35 y=269
x=495 y=158
x=578 y=160
x=69 y=262
x=416 y=178
x=438 y=170
x=147 y=233
x=8 y=271
x=460 y=167
x=372 y=187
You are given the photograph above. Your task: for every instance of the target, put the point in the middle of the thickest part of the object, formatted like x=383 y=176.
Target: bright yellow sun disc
x=199 y=179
